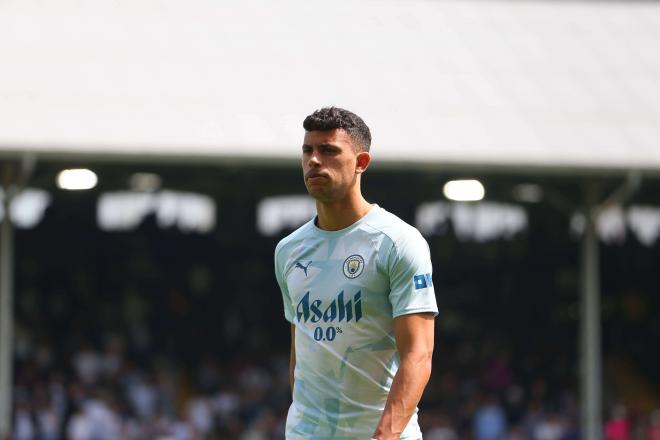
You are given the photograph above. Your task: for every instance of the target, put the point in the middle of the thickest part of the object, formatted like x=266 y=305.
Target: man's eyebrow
x=324 y=145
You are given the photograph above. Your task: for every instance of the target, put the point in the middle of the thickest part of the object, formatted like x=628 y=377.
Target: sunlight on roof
x=614 y=223
x=275 y=214
x=125 y=210
x=483 y=221
x=27 y=208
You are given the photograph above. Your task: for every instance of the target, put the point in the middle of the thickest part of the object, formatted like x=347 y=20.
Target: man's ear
x=362 y=161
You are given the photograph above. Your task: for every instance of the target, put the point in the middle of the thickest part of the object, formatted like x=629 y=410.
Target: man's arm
x=292 y=357
x=414 y=340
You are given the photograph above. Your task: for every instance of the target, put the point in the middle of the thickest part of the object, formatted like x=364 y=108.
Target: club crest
x=353 y=266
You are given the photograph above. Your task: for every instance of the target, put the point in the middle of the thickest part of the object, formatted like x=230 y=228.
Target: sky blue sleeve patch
x=420 y=282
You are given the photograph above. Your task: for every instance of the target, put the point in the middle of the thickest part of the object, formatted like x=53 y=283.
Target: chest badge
x=353 y=266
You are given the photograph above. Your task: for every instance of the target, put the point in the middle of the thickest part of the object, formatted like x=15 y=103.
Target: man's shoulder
x=295 y=237
x=393 y=227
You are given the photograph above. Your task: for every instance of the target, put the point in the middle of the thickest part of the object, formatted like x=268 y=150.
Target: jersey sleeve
x=280 y=269
x=411 y=276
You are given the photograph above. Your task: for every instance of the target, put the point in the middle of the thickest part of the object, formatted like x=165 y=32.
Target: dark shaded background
x=197 y=318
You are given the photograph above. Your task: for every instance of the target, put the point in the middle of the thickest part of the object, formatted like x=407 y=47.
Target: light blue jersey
x=341 y=290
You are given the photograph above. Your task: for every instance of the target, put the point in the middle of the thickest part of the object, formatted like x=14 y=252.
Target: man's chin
x=319 y=194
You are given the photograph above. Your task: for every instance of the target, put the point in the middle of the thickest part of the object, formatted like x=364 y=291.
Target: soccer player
x=357 y=290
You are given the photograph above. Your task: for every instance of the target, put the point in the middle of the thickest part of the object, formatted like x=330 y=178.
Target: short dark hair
x=332 y=118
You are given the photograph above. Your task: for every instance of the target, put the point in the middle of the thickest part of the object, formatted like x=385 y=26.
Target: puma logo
x=304 y=268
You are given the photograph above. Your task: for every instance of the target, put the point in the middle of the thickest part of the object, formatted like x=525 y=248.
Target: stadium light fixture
x=145 y=182
x=76 y=179
x=527 y=193
x=468 y=190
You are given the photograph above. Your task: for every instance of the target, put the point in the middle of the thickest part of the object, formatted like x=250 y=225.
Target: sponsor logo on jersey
x=422 y=281
x=337 y=310
x=353 y=266
x=299 y=265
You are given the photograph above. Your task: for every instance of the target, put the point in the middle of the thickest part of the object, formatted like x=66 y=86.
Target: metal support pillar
x=590 y=340
x=14 y=176
x=6 y=317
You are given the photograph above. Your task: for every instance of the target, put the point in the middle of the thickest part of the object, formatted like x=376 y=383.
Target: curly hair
x=331 y=118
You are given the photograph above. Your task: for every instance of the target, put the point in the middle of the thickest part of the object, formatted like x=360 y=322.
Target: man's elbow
x=421 y=360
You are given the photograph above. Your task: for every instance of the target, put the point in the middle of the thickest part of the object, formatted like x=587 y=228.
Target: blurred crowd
x=487 y=396
x=105 y=395
x=161 y=336
x=109 y=393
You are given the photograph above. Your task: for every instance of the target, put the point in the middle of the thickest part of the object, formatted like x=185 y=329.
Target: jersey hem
x=414 y=311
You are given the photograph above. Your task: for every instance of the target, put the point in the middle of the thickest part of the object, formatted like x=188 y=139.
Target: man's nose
x=314 y=159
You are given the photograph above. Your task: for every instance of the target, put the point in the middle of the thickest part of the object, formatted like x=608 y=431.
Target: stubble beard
x=328 y=193
x=323 y=195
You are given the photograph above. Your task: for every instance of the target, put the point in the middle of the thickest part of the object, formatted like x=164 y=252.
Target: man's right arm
x=292 y=357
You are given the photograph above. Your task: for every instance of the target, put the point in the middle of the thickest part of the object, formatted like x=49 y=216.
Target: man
x=357 y=289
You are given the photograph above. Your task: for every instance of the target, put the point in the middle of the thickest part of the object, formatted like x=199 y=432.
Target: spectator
x=550 y=427
x=24 y=428
x=79 y=426
x=489 y=420
x=441 y=429
x=653 y=432
x=618 y=426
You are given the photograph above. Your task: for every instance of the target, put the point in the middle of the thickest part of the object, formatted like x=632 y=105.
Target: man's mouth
x=315 y=176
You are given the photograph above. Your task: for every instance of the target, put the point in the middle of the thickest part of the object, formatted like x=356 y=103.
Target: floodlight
x=469 y=190
x=76 y=179
x=147 y=182
x=528 y=193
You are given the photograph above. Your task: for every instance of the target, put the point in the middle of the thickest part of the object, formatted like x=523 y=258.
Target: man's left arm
x=414 y=340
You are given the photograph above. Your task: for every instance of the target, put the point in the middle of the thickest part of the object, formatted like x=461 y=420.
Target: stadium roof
x=496 y=84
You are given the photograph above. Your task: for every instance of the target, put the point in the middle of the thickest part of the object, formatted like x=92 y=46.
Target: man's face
x=329 y=162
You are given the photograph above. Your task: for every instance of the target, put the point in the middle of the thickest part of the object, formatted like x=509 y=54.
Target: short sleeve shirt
x=342 y=291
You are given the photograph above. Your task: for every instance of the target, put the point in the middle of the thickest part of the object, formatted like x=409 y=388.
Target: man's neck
x=339 y=215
